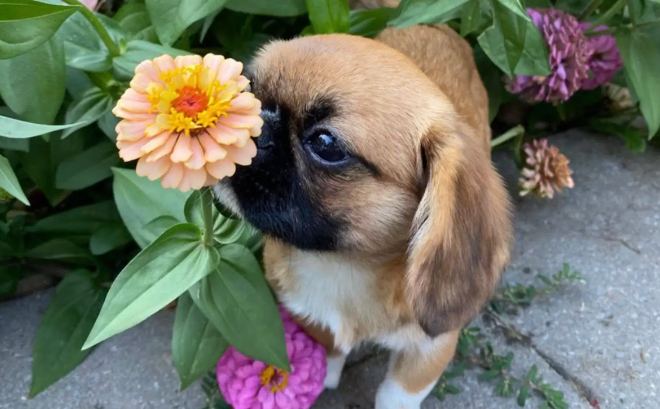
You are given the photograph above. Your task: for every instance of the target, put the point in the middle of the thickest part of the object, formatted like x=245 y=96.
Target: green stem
x=510 y=134
x=590 y=9
x=618 y=6
x=207 y=205
x=599 y=33
x=103 y=33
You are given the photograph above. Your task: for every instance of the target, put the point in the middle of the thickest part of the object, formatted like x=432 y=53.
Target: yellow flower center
x=274 y=378
x=191 y=98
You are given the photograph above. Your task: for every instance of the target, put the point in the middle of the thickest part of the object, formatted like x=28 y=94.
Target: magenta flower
x=605 y=60
x=568 y=50
x=249 y=384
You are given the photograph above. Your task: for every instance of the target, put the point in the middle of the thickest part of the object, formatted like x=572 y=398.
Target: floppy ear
x=461 y=232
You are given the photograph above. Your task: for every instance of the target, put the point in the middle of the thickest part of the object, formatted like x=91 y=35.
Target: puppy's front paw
x=335 y=367
x=391 y=395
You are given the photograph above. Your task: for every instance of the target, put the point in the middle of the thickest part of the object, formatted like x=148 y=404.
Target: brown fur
x=430 y=229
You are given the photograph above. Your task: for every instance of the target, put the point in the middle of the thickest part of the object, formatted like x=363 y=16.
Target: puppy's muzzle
x=266 y=141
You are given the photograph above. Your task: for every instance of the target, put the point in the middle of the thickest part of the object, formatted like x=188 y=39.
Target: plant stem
x=590 y=9
x=207 y=205
x=620 y=4
x=510 y=134
x=599 y=33
x=103 y=33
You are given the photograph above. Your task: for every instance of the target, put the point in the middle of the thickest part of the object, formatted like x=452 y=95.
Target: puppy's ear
x=461 y=232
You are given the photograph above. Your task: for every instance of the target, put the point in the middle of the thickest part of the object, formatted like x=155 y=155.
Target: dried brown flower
x=546 y=170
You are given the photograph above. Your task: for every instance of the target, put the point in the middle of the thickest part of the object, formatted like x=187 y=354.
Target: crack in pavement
x=511 y=333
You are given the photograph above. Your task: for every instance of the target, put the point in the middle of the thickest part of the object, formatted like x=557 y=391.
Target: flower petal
x=185 y=60
x=243 y=101
x=242 y=156
x=133 y=150
x=212 y=151
x=165 y=149
x=182 y=151
x=132 y=130
x=155 y=142
x=164 y=63
x=224 y=135
x=240 y=121
x=173 y=176
x=229 y=70
x=197 y=159
x=242 y=82
x=141 y=82
x=221 y=169
x=153 y=170
x=147 y=67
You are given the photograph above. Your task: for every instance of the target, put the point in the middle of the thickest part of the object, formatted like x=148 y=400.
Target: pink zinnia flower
x=188 y=120
x=569 y=51
x=249 y=384
x=605 y=60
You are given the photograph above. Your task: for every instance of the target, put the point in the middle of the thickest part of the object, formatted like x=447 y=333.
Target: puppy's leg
x=414 y=372
x=336 y=358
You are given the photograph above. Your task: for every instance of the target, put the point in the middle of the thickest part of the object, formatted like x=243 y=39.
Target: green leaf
x=133 y=17
x=83 y=47
x=140 y=201
x=25 y=25
x=635 y=141
x=235 y=32
x=197 y=346
x=107 y=124
x=489 y=374
x=413 y=12
x=470 y=17
x=640 y=51
x=160 y=224
x=32 y=84
x=154 y=278
x=9 y=182
x=237 y=300
x=138 y=51
x=64 y=327
x=194 y=209
x=88 y=167
x=81 y=220
x=522 y=396
x=280 y=8
x=329 y=16
x=88 y=108
x=60 y=249
x=370 y=22
x=492 y=79
x=13 y=128
x=108 y=238
x=172 y=17
x=10 y=275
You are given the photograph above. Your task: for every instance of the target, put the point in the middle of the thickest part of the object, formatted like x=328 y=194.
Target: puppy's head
x=361 y=153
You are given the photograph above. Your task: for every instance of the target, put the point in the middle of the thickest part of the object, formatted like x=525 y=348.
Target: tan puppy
x=384 y=219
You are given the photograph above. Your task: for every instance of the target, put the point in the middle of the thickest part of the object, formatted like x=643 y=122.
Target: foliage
x=70 y=208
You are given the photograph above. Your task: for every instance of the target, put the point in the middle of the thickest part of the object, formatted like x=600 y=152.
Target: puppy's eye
x=326 y=147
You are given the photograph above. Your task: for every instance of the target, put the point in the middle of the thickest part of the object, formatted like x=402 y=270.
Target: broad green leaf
x=237 y=300
x=83 y=48
x=13 y=128
x=280 y=8
x=107 y=124
x=64 y=327
x=640 y=51
x=515 y=6
x=140 y=201
x=510 y=30
x=194 y=208
x=81 y=220
x=153 y=279
x=643 y=11
x=161 y=224
x=14 y=144
x=77 y=82
x=368 y=22
x=108 y=238
x=138 y=51
x=329 y=16
x=26 y=25
x=470 y=17
x=9 y=182
x=133 y=17
x=172 y=17
x=197 y=346
x=32 y=84
x=492 y=79
x=413 y=12
x=60 y=249
x=88 y=167
x=235 y=32
x=534 y=59
x=88 y=108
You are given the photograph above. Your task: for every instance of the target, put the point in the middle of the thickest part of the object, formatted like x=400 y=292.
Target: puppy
x=384 y=219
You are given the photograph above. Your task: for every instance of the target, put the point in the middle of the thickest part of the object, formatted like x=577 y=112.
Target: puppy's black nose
x=271 y=117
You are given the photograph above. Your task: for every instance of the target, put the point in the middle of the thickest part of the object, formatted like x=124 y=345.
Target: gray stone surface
x=596 y=340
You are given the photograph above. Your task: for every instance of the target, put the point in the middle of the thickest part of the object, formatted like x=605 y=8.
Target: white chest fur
x=342 y=296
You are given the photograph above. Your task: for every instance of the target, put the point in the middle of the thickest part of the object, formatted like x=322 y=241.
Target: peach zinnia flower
x=188 y=120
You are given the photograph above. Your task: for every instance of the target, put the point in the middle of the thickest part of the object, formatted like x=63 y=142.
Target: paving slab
x=596 y=340
x=604 y=333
